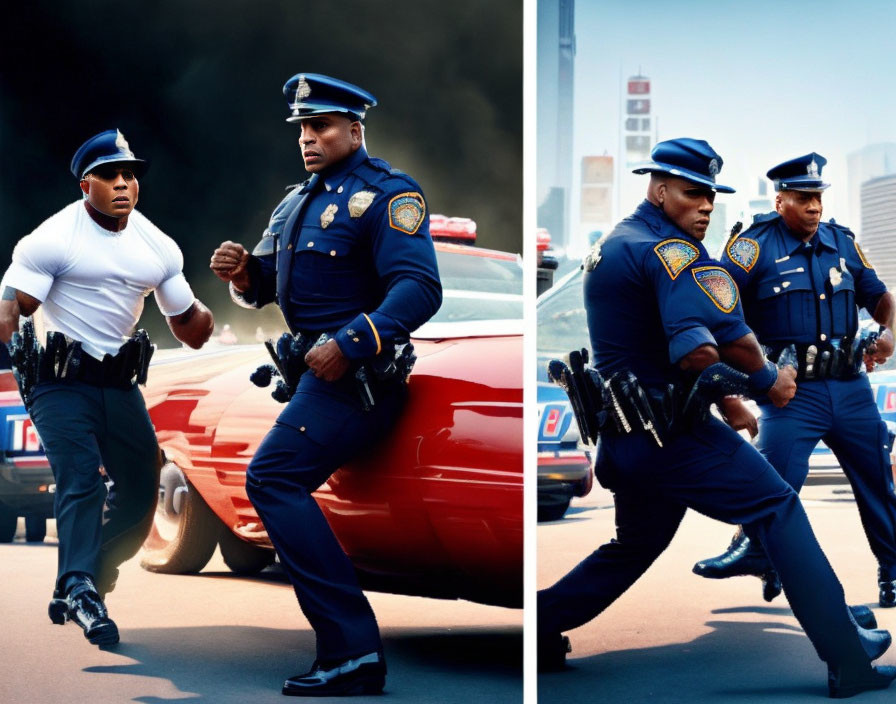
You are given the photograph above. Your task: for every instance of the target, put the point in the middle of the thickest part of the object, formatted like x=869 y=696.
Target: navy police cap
x=105 y=148
x=311 y=94
x=691 y=159
x=800 y=174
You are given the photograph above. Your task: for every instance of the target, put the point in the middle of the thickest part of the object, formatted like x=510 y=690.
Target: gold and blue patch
x=407 y=212
x=862 y=256
x=717 y=283
x=744 y=252
x=676 y=255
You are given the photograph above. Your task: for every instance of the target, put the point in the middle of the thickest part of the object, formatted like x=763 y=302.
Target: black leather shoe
x=863 y=616
x=362 y=675
x=58 y=608
x=552 y=652
x=741 y=558
x=87 y=610
x=846 y=682
x=875 y=642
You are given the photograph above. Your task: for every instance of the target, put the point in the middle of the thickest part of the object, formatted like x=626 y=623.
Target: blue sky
x=761 y=81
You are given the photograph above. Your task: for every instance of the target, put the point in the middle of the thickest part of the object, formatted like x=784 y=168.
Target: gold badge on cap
x=328 y=215
x=359 y=202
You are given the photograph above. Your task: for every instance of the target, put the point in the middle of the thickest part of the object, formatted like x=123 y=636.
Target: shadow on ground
x=246 y=664
x=768 y=662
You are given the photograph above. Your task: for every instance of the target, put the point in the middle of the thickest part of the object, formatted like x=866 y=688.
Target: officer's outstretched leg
x=861 y=444
x=321 y=428
x=68 y=418
x=742 y=487
x=645 y=524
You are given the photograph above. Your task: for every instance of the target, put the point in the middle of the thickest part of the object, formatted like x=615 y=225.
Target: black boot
x=886 y=580
x=875 y=641
x=742 y=557
x=771 y=584
x=846 y=682
x=86 y=609
x=552 y=652
x=365 y=674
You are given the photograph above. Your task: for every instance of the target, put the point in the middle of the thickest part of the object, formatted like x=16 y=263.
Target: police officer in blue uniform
x=668 y=338
x=346 y=254
x=802 y=282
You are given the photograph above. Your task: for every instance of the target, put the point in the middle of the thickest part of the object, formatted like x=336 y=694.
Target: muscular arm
x=193 y=326
x=745 y=355
x=14 y=303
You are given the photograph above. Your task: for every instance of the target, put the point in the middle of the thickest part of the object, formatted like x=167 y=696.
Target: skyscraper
x=554 y=116
x=878 y=238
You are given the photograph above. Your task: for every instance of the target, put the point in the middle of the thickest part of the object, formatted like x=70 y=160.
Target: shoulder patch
x=862 y=255
x=744 y=252
x=359 y=202
x=718 y=285
x=676 y=255
x=407 y=212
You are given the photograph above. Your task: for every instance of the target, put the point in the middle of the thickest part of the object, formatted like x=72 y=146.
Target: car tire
x=185 y=530
x=553 y=510
x=8 y=523
x=35 y=529
x=242 y=557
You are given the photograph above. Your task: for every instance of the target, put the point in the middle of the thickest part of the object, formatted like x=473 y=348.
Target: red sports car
x=436 y=510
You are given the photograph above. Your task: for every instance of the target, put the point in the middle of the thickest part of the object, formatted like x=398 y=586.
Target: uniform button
x=302 y=429
x=289 y=246
x=339 y=190
x=311 y=244
x=822 y=296
x=332 y=252
x=328 y=187
x=823 y=337
x=355 y=339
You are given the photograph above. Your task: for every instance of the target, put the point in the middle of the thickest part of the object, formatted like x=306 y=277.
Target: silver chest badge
x=328 y=215
x=359 y=202
x=836 y=276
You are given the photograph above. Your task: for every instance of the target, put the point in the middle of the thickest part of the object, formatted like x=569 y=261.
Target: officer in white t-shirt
x=89 y=268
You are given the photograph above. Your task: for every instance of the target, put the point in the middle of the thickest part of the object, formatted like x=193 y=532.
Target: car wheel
x=243 y=557
x=554 y=510
x=185 y=530
x=8 y=521
x=35 y=529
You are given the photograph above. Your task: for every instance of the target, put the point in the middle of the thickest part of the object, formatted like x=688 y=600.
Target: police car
x=436 y=509
x=564 y=464
x=26 y=480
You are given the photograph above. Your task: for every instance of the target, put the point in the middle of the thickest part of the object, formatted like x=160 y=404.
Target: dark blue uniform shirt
x=349 y=253
x=654 y=296
x=796 y=292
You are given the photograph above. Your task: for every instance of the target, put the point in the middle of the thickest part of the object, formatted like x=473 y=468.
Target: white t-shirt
x=91 y=282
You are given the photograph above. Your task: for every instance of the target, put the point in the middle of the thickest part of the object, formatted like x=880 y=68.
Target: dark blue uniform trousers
x=845 y=416
x=82 y=427
x=322 y=427
x=714 y=471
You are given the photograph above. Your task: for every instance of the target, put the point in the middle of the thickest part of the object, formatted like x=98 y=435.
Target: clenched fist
x=784 y=388
x=229 y=262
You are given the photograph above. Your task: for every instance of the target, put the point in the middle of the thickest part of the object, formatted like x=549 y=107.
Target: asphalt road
x=218 y=638
x=676 y=637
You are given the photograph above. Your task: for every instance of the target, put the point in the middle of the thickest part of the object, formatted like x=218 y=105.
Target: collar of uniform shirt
x=823 y=237
x=657 y=221
x=336 y=174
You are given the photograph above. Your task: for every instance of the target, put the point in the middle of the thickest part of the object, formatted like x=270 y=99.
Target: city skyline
x=761 y=83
